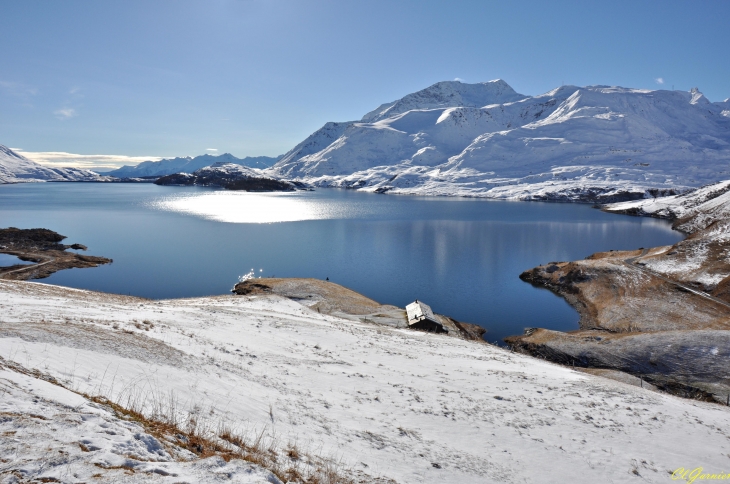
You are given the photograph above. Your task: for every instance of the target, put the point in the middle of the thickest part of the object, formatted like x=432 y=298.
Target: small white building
x=420 y=316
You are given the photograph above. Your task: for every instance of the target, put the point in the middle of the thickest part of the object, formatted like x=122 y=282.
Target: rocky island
x=43 y=247
x=231 y=177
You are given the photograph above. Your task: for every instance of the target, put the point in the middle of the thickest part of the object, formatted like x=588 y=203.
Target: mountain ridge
x=189 y=164
x=16 y=168
x=592 y=143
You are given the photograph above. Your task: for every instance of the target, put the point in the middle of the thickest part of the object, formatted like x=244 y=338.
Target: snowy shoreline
x=661 y=313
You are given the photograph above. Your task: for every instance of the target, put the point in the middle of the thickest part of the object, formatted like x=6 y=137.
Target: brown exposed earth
x=660 y=314
x=44 y=248
x=330 y=298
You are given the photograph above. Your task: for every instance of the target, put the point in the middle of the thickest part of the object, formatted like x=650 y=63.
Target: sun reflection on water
x=246 y=207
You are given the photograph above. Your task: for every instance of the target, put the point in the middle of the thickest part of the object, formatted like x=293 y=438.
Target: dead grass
x=189 y=434
x=291 y=465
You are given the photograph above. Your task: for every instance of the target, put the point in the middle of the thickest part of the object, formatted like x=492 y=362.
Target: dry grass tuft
x=293 y=466
x=181 y=436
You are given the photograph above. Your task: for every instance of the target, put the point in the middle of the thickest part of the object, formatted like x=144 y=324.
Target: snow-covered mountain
x=574 y=143
x=16 y=168
x=447 y=94
x=188 y=165
x=692 y=211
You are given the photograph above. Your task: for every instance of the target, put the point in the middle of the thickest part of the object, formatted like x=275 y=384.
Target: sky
x=119 y=82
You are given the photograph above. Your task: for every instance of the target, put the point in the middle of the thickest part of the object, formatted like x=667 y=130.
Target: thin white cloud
x=17 y=89
x=211 y=149
x=459 y=79
x=65 y=113
x=73 y=160
x=659 y=80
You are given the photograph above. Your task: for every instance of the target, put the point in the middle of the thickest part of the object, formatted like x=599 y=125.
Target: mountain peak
x=698 y=97
x=448 y=94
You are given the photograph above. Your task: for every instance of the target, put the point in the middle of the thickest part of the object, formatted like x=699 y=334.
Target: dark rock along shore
x=43 y=247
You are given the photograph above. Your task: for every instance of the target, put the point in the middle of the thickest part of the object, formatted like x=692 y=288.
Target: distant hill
x=593 y=143
x=230 y=177
x=188 y=165
x=16 y=168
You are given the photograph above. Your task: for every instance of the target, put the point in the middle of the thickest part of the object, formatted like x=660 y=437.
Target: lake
x=10 y=260
x=461 y=256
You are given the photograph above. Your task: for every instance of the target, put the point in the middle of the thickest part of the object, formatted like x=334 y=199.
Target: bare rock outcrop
x=329 y=298
x=44 y=248
x=661 y=314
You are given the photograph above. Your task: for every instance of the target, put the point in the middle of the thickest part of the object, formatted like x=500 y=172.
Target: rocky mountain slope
x=376 y=403
x=662 y=314
x=188 y=165
x=231 y=177
x=16 y=168
x=691 y=211
x=594 y=143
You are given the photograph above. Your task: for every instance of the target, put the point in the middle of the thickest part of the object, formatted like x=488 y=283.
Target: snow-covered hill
x=447 y=94
x=698 y=210
x=702 y=200
x=15 y=168
x=590 y=143
x=383 y=403
x=231 y=177
x=188 y=165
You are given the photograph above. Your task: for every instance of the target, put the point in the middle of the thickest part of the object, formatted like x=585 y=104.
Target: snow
x=448 y=94
x=694 y=261
x=704 y=206
x=383 y=402
x=55 y=435
x=16 y=168
x=229 y=169
x=486 y=140
x=703 y=213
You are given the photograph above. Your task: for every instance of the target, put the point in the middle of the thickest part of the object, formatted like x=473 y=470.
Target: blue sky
x=168 y=78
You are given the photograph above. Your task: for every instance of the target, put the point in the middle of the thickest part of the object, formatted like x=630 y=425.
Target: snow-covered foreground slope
x=384 y=402
x=188 y=165
x=15 y=168
x=572 y=143
x=51 y=433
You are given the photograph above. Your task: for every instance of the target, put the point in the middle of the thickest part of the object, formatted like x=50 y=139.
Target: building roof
x=418 y=311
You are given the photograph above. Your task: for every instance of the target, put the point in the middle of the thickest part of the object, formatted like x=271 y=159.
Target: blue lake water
x=461 y=256
x=10 y=260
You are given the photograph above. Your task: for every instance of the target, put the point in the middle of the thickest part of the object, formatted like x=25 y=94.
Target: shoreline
x=570 y=192
x=43 y=247
x=660 y=314
x=462 y=330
